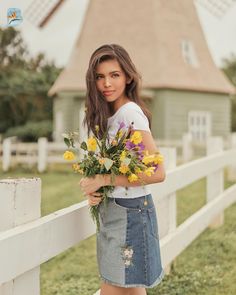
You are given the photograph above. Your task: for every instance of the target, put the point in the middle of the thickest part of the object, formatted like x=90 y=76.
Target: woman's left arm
x=158 y=176
x=89 y=185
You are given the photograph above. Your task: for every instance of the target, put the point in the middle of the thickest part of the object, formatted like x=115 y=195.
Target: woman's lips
x=107 y=93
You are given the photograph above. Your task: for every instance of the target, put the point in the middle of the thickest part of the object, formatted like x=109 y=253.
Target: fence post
x=168 y=204
x=215 y=181
x=232 y=169
x=42 y=154
x=187 y=150
x=6 y=154
x=20 y=203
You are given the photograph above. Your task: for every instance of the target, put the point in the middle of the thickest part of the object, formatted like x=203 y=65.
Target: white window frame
x=199 y=125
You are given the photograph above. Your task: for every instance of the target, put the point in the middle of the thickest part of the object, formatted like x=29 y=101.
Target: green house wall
x=169 y=112
x=68 y=104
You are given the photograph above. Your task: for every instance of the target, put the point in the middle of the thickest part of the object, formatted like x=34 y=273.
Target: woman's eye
x=113 y=76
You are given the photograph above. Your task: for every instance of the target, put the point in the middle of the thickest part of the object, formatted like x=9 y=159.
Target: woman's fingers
x=93 y=203
x=94 y=198
x=96 y=194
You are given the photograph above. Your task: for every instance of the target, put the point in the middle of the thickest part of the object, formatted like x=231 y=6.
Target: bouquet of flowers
x=125 y=154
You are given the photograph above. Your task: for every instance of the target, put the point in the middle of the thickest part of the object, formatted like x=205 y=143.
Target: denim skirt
x=128 y=250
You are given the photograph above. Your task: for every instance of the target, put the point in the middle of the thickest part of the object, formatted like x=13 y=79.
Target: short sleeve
x=140 y=121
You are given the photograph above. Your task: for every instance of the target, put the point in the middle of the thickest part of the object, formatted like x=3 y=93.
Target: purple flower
x=141 y=146
x=140 y=157
x=156 y=167
x=139 y=153
x=129 y=145
x=122 y=125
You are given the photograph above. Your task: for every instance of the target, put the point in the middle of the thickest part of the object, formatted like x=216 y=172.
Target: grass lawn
x=206 y=267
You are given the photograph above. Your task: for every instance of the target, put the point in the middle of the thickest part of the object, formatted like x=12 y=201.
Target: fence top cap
x=19 y=180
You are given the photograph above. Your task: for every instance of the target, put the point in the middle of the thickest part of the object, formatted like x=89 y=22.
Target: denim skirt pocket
x=126 y=204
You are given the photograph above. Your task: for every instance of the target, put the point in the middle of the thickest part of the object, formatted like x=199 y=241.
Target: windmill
x=217 y=8
x=39 y=12
x=183 y=87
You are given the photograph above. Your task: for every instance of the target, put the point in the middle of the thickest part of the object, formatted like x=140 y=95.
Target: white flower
x=127 y=262
x=128 y=253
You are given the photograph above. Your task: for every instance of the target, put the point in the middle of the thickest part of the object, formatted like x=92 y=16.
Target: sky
x=56 y=40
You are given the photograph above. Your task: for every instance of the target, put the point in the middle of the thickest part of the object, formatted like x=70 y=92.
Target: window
x=189 y=53
x=199 y=125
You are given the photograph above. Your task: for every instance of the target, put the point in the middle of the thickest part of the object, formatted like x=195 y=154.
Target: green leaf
x=126 y=161
x=108 y=163
x=67 y=142
x=84 y=146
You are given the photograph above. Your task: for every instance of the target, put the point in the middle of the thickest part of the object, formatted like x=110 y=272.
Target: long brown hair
x=97 y=108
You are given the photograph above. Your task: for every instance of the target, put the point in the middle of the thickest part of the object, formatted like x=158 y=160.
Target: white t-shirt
x=127 y=113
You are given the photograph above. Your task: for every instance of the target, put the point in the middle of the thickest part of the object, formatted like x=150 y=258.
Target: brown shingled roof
x=152 y=32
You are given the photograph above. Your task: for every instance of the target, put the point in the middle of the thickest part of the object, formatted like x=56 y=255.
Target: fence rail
x=44 y=152
x=41 y=153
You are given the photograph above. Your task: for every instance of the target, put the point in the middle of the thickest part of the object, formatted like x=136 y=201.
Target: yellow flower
x=148 y=159
x=101 y=161
x=96 y=127
x=123 y=168
x=76 y=168
x=137 y=170
x=92 y=144
x=68 y=155
x=136 y=138
x=132 y=177
x=149 y=171
x=158 y=159
x=120 y=133
x=123 y=155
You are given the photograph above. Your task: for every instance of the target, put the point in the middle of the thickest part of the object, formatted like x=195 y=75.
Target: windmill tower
x=183 y=87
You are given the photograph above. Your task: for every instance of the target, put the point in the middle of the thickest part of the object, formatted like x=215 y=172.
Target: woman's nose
x=107 y=83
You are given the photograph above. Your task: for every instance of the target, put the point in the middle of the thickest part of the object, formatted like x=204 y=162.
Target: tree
x=24 y=82
x=229 y=68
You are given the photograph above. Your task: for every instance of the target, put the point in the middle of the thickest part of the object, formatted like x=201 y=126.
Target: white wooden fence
x=44 y=152
x=189 y=149
x=41 y=153
x=28 y=240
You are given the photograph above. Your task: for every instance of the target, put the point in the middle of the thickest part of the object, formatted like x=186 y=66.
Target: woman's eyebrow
x=109 y=73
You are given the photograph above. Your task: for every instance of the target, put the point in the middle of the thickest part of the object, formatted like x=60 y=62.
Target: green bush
x=31 y=131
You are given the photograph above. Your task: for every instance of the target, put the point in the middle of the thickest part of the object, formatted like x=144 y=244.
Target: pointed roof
x=163 y=37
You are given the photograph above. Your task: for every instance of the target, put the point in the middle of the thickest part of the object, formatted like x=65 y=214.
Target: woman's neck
x=114 y=106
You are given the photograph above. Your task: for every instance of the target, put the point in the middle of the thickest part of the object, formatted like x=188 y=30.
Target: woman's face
x=111 y=80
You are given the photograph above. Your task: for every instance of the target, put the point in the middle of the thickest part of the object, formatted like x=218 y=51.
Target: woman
x=128 y=250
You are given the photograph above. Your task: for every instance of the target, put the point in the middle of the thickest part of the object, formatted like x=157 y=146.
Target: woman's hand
x=94 y=198
x=90 y=185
